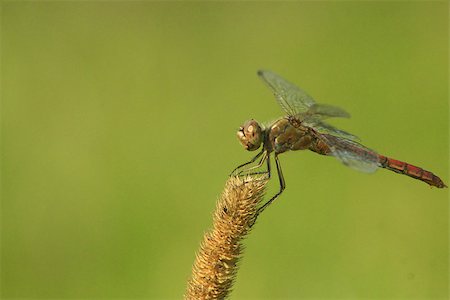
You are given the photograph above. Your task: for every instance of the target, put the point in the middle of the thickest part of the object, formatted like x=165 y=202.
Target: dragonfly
x=304 y=128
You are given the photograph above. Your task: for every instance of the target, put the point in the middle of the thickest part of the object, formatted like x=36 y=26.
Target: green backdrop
x=118 y=124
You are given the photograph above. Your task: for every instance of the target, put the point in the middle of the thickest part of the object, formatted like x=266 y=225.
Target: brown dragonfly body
x=304 y=129
x=284 y=136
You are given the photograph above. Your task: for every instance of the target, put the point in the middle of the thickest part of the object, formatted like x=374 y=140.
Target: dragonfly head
x=250 y=135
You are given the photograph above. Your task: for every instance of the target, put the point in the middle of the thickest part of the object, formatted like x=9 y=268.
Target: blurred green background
x=118 y=133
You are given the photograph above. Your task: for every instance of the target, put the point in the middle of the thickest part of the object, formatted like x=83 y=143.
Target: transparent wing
x=323 y=111
x=291 y=98
x=352 y=154
x=296 y=102
x=326 y=128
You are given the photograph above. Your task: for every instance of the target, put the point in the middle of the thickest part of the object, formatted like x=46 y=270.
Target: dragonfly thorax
x=250 y=135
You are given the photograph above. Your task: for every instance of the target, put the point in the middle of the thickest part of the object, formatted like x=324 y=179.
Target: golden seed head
x=216 y=264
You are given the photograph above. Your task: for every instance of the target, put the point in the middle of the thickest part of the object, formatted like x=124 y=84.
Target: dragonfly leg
x=282 y=186
x=247 y=163
x=267 y=172
x=260 y=163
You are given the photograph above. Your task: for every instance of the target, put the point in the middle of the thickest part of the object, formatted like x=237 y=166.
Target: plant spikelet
x=216 y=264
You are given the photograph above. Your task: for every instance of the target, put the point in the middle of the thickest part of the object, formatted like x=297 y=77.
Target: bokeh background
x=118 y=132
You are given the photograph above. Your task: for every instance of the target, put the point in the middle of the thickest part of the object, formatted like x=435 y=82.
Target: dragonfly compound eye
x=250 y=135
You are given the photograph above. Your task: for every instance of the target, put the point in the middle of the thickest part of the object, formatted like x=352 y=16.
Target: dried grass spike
x=216 y=264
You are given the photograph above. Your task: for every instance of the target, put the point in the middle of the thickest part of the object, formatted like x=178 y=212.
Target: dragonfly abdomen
x=411 y=171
